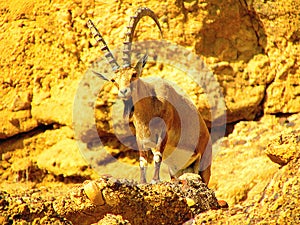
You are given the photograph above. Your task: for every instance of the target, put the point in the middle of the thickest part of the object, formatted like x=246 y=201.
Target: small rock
x=223 y=204
x=190 y=201
x=112 y=219
x=22 y=102
x=284 y=147
x=94 y=193
x=6 y=156
x=3 y=220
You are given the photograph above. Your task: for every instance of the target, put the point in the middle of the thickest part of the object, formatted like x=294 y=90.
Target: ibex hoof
x=155 y=181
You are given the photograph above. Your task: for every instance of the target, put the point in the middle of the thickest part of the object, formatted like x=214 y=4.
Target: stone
x=94 y=193
x=283 y=148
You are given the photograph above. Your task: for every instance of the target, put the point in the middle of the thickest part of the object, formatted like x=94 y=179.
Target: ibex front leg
x=143 y=165
x=157 y=149
x=158 y=133
x=157 y=157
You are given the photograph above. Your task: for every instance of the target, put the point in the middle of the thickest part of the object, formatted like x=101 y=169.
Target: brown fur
x=165 y=121
x=156 y=97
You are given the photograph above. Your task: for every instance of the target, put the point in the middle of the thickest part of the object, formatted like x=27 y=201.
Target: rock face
x=282 y=94
x=258 y=190
x=255 y=64
x=252 y=48
x=278 y=203
x=254 y=146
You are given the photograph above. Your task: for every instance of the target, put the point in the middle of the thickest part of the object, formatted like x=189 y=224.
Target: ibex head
x=124 y=76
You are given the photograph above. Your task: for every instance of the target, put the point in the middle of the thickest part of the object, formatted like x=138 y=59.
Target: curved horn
x=108 y=55
x=141 y=12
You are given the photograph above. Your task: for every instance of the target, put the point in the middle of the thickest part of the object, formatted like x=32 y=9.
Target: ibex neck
x=142 y=90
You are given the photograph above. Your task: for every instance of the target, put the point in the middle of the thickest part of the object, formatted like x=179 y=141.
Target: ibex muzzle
x=157 y=122
x=124 y=93
x=125 y=77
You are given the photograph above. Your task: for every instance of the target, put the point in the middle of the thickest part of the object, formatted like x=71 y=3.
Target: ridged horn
x=98 y=37
x=140 y=13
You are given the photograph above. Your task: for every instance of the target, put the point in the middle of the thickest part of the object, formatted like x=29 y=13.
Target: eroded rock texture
x=252 y=48
x=167 y=202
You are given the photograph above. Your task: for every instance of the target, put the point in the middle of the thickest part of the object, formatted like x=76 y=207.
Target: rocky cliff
x=251 y=47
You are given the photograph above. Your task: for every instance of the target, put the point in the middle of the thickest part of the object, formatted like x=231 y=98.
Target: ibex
x=157 y=113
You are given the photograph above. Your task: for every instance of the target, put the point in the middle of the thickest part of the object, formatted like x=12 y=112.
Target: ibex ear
x=100 y=75
x=141 y=63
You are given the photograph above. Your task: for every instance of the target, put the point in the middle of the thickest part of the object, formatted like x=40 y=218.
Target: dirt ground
x=46 y=49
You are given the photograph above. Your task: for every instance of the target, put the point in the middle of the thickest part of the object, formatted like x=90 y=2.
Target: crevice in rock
x=261 y=104
x=253 y=16
x=39 y=129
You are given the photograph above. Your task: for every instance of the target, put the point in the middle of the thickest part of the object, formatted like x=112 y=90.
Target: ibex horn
x=108 y=55
x=141 y=12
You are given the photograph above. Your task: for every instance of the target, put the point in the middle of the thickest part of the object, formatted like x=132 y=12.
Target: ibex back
x=157 y=113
